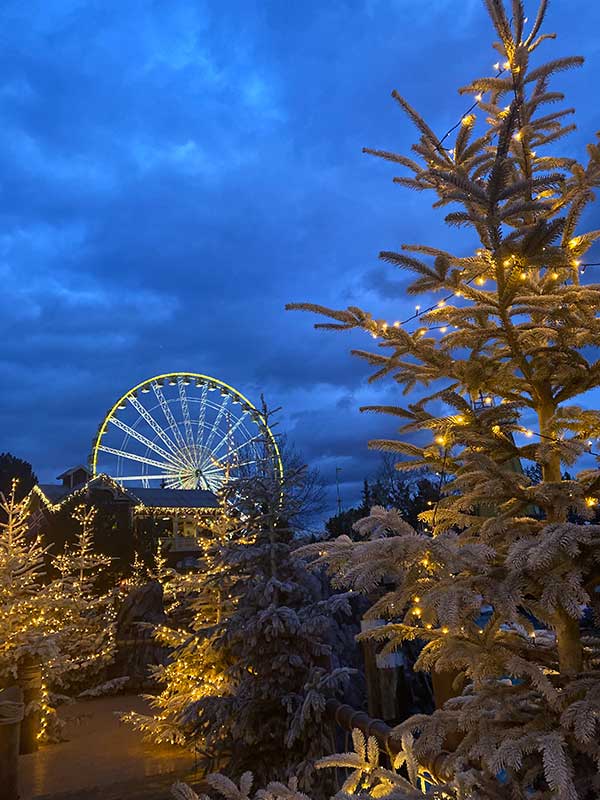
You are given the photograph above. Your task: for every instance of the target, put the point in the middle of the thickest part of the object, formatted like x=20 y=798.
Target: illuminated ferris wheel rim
x=174 y=378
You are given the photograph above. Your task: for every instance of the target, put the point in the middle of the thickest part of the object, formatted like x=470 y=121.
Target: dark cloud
x=172 y=175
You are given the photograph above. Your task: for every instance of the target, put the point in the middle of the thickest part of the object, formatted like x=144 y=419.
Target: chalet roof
x=55 y=494
x=175 y=498
x=70 y=471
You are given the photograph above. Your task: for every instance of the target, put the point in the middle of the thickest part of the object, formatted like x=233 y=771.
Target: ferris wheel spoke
x=244 y=463
x=202 y=414
x=229 y=433
x=215 y=426
x=145 y=414
x=141 y=438
x=212 y=471
x=240 y=446
x=134 y=457
x=171 y=420
x=187 y=422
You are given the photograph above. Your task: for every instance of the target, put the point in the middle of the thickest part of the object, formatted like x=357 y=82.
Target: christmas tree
x=87 y=624
x=501 y=357
x=58 y=626
x=26 y=615
x=277 y=639
x=254 y=663
x=197 y=604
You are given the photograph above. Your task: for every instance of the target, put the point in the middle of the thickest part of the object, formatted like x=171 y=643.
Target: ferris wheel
x=183 y=430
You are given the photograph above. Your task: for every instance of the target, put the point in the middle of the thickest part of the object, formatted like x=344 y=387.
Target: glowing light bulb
x=444 y=630
x=517 y=136
x=421 y=331
x=523 y=276
x=417 y=308
x=440 y=440
x=528 y=433
x=443 y=329
x=417 y=599
x=480 y=281
x=496 y=66
x=591 y=502
x=479 y=97
x=396 y=324
x=506 y=65
x=441 y=304
x=487 y=401
x=554 y=275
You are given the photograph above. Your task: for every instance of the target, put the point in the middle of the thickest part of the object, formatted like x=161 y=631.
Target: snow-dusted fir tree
x=58 y=623
x=27 y=619
x=197 y=604
x=277 y=639
x=247 y=680
x=501 y=360
x=86 y=628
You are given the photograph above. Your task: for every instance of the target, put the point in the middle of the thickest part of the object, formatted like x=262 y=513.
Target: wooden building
x=129 y=520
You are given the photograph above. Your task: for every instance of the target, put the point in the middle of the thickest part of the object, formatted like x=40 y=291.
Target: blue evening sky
x=172 y=173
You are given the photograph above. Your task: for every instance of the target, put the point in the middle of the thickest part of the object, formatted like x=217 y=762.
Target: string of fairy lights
x=420 y=312
x=480 y=279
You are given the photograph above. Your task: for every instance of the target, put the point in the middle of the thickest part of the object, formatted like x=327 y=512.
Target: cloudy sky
x=173 y=173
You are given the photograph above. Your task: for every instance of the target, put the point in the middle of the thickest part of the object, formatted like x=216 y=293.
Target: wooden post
x=443 y=686
x=371 y=671
x=11 y=714
x=29 y=677
x=386 y=689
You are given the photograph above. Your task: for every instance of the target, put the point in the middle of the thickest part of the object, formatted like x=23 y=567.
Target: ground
x=103 y=758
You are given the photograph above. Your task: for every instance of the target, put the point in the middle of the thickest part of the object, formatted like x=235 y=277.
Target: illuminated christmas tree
x=59 y=629
x=26 y=615
x=86 y=639
x=197 y=602
x=501 y=355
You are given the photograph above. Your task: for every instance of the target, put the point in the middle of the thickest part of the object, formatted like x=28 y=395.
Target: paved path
x=103 y=758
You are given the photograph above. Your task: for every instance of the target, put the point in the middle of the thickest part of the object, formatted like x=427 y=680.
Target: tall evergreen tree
x=61 y=624
x=516 y=325
x=278 y=639
x=254 y=665
x=13 y=468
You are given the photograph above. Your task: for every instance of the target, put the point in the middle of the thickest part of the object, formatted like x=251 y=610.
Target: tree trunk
x=11 y=714
x=570 y=650
x=30 y=680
